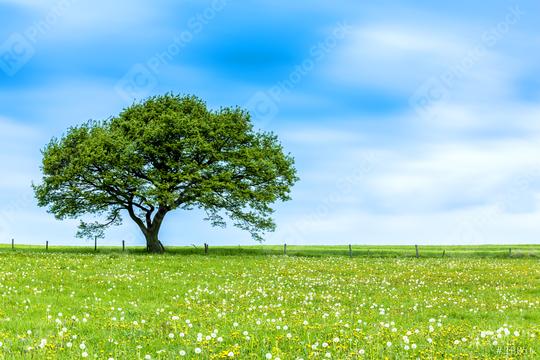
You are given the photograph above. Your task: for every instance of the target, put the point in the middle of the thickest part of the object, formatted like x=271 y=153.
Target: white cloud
x=434 y=178
x=480 y=225
x=58 y=20
x=64 y=103
x=17 y=155
x=401 y=56
x=320 y=136
x=394 y=40
x=18 y=164
x=384 y=56
x=28 y=3
x=12 y=130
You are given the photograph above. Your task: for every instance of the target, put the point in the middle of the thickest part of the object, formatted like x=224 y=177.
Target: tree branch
x=135 y=218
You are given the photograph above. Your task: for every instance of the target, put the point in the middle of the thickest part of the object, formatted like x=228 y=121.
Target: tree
x=168 y=152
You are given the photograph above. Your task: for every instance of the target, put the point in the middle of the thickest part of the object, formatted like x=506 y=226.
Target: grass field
x=470 y=251
x=72 y=303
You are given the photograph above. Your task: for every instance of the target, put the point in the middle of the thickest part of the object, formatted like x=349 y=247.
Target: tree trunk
x=151 y=228
x=153 y=244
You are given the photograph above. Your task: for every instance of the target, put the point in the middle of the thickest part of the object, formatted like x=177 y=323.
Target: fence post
x=47 y=245
x=206 y=249
x=350 y=251
x=123 y=245
x=510 y=252
x=443 y=253
x=417 y=252
x=284 y=249
x=12 y=244
x=95 y=243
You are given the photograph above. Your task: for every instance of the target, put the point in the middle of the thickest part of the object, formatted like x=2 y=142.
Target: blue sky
x=411 y=121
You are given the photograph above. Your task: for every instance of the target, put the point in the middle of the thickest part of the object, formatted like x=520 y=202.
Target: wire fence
x=350 y=251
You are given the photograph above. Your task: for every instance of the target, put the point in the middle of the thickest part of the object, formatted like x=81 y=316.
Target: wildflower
x=84 y=354
x=198 y=350
x=406 y=339
x=268 y=356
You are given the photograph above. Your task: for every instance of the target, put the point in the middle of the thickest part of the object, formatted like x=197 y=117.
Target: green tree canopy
x=168 y=152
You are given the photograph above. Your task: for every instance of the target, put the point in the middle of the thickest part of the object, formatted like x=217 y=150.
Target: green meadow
x=255 y=303
x=429 y=251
